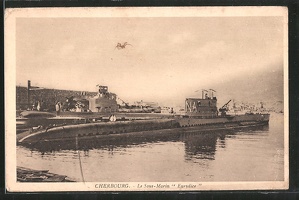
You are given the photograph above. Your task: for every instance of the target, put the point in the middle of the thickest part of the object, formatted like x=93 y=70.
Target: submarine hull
x=152 y=126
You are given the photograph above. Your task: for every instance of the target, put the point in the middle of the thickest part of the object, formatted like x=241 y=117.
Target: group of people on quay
x=69 y=105
x=38 y=105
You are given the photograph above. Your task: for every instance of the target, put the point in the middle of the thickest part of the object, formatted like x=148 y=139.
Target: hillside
x=266 y=87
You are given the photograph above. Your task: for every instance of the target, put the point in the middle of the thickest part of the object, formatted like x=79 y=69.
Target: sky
x=168 y=59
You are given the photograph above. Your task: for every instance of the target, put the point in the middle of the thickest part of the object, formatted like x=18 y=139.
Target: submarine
x=201 y=114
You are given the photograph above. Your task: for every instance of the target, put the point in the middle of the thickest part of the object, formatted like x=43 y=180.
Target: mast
x=28 y=92
x=212 y=93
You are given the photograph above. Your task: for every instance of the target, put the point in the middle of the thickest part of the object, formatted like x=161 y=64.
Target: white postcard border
x=11 y=14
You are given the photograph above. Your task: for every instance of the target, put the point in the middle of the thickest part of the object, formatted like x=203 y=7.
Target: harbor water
x=251 y=154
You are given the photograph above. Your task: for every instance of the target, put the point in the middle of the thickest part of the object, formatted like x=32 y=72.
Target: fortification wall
x=49 y=97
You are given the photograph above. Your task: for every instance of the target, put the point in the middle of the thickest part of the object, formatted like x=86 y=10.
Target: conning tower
x=205 y=107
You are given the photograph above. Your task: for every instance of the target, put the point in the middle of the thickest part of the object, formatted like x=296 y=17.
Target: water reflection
x=198 y=145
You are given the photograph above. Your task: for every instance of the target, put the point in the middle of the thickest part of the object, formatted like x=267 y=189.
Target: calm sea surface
x=254 y=154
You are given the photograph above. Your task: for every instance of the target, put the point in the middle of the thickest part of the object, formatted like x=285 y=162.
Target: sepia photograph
x=146 y=99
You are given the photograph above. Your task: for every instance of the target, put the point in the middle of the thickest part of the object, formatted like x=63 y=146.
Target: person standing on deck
x=57 y=106
x=206 y=96
x=38 y=106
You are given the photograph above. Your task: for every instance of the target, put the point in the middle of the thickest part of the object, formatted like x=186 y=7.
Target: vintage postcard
x=146 y=99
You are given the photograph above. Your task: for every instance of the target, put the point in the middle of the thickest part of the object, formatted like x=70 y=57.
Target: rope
x=78 y=152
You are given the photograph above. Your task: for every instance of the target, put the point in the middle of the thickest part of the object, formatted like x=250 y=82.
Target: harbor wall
x=49 y=97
